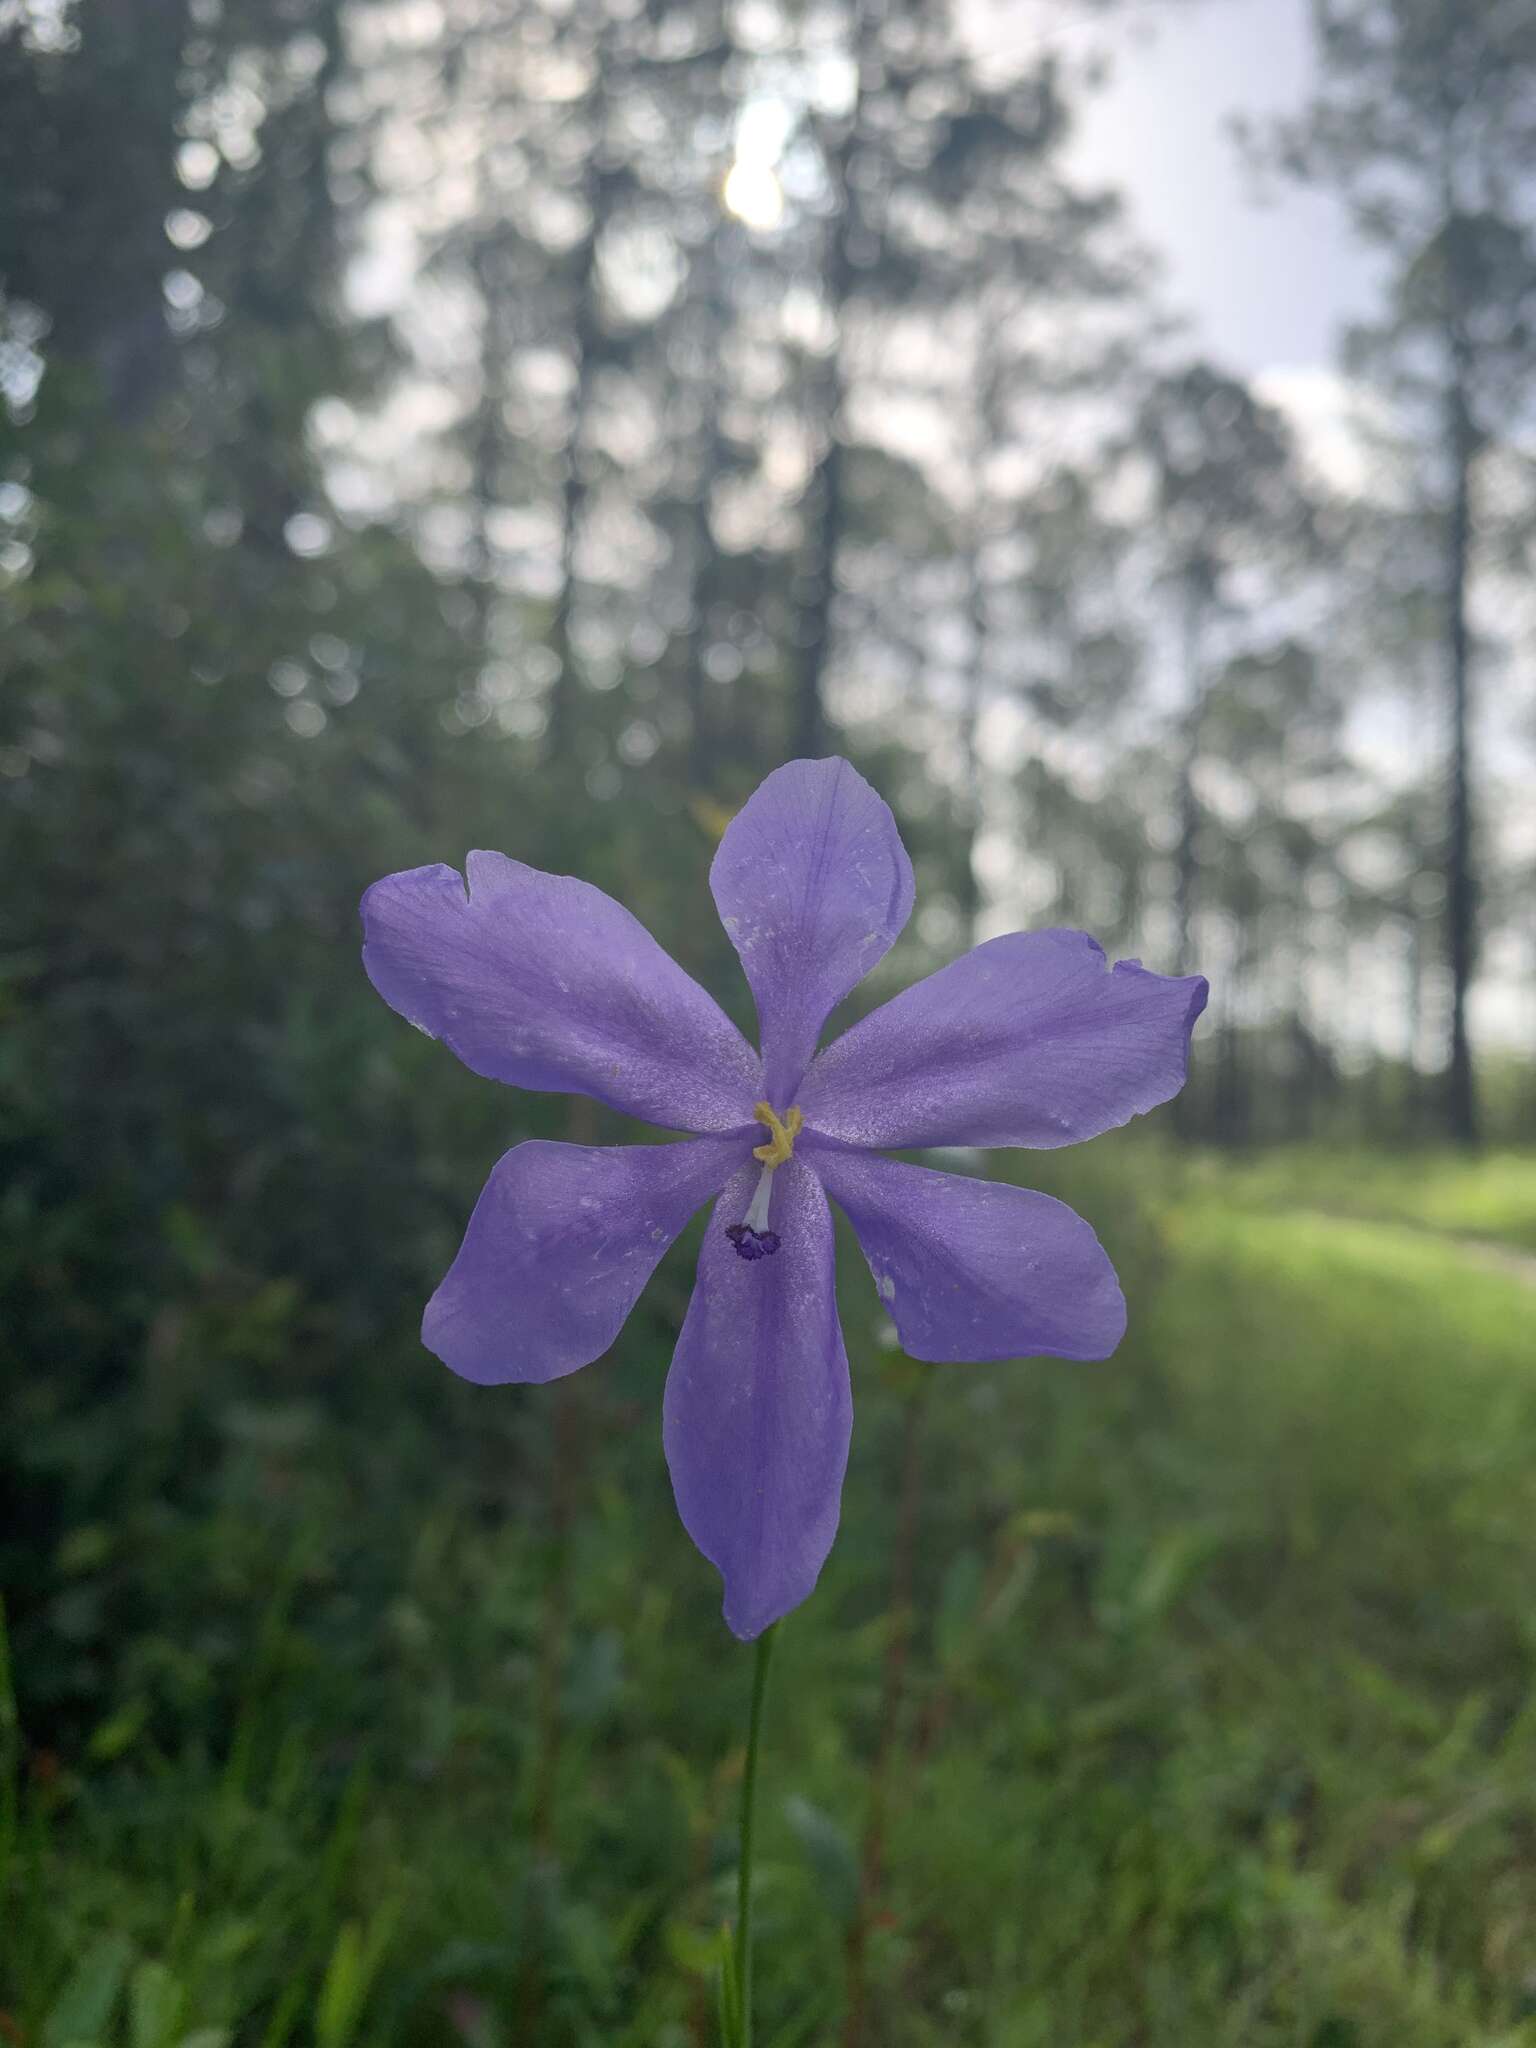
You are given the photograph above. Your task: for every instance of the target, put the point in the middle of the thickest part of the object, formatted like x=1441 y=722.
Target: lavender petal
x=970 y=1270
x=813 y=885
x=562 y=1240
x=758 y=1410
x=543 y=981
x=1027 y=1040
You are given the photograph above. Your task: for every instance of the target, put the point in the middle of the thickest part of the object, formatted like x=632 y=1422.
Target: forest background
x=428 y=424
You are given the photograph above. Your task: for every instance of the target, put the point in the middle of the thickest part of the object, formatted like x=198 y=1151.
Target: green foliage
x=1217 y=1727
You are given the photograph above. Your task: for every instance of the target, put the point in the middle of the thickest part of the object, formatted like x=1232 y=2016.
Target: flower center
x=782 y=1136
x=751 y=1237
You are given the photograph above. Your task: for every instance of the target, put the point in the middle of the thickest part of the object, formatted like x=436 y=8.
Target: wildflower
x=544 y=982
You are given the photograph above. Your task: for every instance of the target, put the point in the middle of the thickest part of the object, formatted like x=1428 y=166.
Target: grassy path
x=1489 y=1199
x=1317 y=1286
x=1489 y=1254
x=1358 y=1400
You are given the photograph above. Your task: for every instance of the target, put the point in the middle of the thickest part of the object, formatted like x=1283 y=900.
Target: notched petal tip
x=1029 y=1039
x=543 y=982
x=1196 y=991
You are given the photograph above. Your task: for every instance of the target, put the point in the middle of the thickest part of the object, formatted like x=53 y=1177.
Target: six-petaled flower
x=545 y=982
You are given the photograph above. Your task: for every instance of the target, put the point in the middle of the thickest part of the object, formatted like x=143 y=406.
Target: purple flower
x=544 y=982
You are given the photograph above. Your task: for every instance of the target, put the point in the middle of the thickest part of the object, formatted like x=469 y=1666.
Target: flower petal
x=562 y=1240
x=545 y=982
x=1027 y=1040
x=758 y=1410
x=974 y=1269
x=813 y=886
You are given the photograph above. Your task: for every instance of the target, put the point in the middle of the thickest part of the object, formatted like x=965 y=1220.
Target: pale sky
x=1267 y=287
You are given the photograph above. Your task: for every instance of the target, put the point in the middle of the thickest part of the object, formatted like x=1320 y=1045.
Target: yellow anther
x=781 y=1145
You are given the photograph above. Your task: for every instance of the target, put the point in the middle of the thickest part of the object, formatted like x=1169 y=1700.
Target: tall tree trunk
x=488 y=444
x=970 y=729
x=823 y=533
x=709 y=309
x=970 y=741
x=144 y=47
x=704 y=567
x=318 y=261
x=988 y=430
x=573 y=500
x=824 y=497
x=1187 y=857
x=1460 y=879
x=586 y=336
x=1413 y=1012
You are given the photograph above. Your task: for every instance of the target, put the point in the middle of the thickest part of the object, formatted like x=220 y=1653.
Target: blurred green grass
x=1492 y=1196
x=1219 y=1725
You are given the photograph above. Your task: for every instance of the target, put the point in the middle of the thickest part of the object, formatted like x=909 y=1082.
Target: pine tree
x=1425 y=125
x=1223 y=493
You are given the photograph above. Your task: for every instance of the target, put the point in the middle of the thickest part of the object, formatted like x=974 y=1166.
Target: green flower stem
x=748 y=1825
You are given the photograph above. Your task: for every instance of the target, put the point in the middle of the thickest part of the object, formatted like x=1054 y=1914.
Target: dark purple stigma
x=752 y=1244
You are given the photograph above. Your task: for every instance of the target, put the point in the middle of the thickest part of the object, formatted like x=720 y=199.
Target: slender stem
x=748 y=1828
